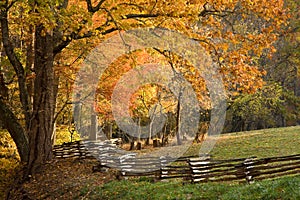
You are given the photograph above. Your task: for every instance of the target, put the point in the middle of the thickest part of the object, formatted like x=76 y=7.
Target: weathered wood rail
x=193 y=169
x=272 y=167
x=221 y=170
x=71 y=149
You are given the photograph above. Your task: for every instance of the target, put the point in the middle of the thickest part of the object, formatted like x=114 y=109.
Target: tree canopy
x=43 y=42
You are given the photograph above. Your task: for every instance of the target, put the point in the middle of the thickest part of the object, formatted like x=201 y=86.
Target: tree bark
x=9 y=119
x=34 y=140
x=178 y=128
x=42 y=122
x=15 y=129
x=93 y=128
x=17 y=65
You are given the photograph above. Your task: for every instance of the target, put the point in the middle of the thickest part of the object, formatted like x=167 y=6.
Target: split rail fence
x=189 y=169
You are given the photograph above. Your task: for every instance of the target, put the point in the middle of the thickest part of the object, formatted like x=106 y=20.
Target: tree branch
x=132 y=16
x=11 y=4
x=92 y=9
x=17 y=65
x=61 y=109
x=74 y=36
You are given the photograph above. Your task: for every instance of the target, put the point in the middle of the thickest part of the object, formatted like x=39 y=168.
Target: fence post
x=203 y=160
x=163 y=164
x=191 y=170
x=248 y=166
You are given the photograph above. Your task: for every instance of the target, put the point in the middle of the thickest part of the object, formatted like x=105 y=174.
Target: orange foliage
x=234 y=32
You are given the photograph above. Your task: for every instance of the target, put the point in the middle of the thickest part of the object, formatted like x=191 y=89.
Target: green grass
x=284 y=188
x=260 y=143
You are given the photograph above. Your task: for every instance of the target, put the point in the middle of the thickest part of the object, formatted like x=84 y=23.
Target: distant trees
x=268 y=107
x=277 y=103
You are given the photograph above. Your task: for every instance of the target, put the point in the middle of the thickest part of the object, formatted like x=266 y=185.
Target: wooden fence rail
x=249 y=169
x=193 y=169
x=266 y=168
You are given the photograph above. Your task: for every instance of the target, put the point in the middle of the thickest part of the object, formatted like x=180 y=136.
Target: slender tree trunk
x=296 y=83
x=15 y=129
x=42 y=122
x=93 y=128
x=8 y=118
x=178 y=128
x=148 y=140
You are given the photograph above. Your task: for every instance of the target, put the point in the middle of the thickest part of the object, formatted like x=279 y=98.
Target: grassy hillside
x=73 y=179
x=284 y=188
x=260 y=143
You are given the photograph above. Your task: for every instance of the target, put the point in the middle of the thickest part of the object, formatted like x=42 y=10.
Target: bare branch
x=60 y=110
x=11 y=4
x=74 y=36
x=132 y=16
x=92 y=9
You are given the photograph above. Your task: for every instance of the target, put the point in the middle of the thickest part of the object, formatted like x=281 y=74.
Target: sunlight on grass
x=260 y=143
x=284 y=188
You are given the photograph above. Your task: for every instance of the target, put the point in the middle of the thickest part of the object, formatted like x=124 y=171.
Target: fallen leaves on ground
x=63 y=179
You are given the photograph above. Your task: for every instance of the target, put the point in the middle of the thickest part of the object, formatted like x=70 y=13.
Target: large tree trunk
x=42 y=122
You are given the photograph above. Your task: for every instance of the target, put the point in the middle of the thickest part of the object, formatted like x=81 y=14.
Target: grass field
x=284 y=188
x=262 y=143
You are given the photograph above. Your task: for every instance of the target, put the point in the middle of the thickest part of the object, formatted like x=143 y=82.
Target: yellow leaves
x=210 y=20
x=222 y=5
x=246 y=79
x=250 y=36
x=272 y=11
x=221 y=59
x=230 y=44
x=273 y=49
x=268 y=30
x=9 y=160
x=44 y=32
x=223 y=47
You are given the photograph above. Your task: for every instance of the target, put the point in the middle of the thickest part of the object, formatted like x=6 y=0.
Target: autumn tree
x=36 y=34
x=47 y=28
x=283 y=66
x=277 y=104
